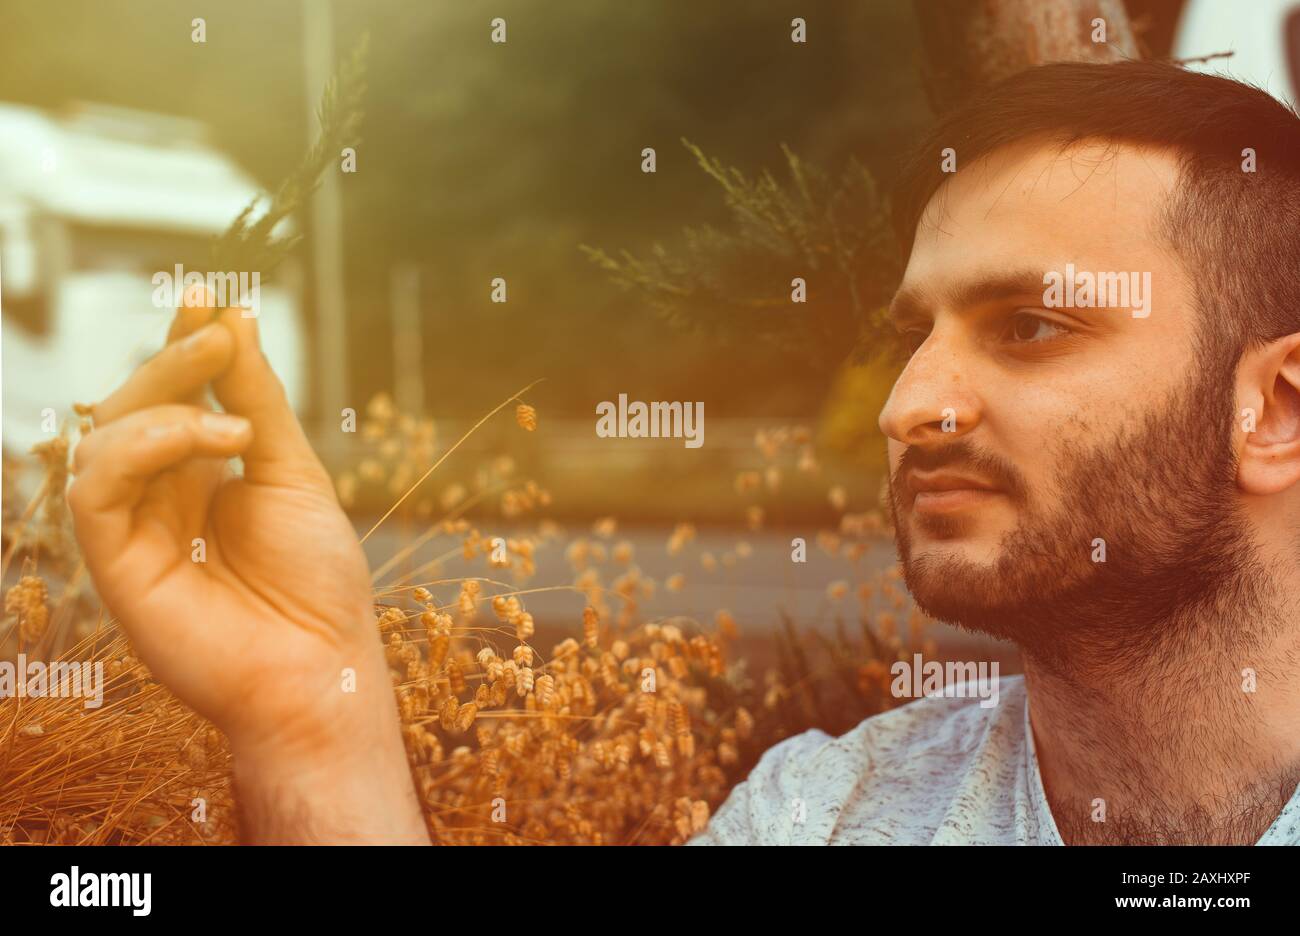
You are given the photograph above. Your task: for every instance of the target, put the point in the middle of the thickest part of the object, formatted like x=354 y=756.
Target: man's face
x=1047 y=458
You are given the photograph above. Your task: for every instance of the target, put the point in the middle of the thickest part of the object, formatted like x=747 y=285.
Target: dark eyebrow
x=914 y=304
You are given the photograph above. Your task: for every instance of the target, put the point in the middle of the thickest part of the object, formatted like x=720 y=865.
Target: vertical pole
x=330 y=377
x=408 y=380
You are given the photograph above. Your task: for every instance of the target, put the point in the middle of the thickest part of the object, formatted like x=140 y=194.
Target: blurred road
x=755 y=590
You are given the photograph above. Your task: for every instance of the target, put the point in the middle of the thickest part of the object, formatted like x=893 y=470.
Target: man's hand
x=258 y=636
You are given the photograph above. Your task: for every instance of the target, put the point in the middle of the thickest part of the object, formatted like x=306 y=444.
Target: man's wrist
x=283 y=803
x=346 y=782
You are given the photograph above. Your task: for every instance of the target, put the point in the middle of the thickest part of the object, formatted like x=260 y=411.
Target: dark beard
x=1179 y=567
x=1251 y=812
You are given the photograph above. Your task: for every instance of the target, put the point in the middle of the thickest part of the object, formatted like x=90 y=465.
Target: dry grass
x=632 y=730
x=125 y=773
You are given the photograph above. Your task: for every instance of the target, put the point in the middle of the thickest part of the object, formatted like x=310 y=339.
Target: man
x=1112 y=482
x=1116 y=492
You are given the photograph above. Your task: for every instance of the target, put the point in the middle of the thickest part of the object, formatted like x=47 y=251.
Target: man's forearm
x=281 y=804
x=354 y=789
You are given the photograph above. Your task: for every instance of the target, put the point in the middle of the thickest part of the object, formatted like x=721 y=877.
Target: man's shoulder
x=907 y=739
x=894 y=765
x=945 y=727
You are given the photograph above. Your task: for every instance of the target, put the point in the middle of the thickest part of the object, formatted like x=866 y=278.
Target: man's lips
x=945 y=491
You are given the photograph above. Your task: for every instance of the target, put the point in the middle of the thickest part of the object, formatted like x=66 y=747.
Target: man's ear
x=1268 y=395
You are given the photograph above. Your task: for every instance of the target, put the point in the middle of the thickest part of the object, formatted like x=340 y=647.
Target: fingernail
x=222 y=424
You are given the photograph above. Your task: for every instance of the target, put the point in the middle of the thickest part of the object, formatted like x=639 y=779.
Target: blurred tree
x=832 y=233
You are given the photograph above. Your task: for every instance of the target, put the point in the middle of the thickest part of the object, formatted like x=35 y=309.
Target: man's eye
x=1027 y=327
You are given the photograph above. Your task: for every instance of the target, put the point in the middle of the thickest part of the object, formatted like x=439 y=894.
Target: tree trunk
x=970 y=44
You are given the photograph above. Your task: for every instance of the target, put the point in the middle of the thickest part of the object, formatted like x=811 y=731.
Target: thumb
x=279 y=453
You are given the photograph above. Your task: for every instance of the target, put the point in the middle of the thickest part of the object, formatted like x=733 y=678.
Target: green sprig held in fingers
x=250 y=247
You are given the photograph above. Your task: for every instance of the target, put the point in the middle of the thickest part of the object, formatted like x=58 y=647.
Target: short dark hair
x=1239 y=230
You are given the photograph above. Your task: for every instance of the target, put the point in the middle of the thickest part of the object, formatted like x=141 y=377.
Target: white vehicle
x=1262 y=35
x=93 y=203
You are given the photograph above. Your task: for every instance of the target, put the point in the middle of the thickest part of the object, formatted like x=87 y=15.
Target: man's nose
x=933 y=400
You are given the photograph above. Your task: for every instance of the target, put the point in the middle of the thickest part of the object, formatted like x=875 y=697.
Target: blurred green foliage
x=485 y=160
x=831 y=235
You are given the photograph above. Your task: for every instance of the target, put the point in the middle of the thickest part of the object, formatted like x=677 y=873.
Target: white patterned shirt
x=937 y=771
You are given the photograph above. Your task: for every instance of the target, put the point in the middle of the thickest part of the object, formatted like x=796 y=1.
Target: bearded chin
x=1178 y=563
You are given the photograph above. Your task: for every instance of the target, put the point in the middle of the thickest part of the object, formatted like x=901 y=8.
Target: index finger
x=165 y=377
x=178 y=373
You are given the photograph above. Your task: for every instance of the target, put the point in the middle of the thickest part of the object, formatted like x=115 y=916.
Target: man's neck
x=1194 y=744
